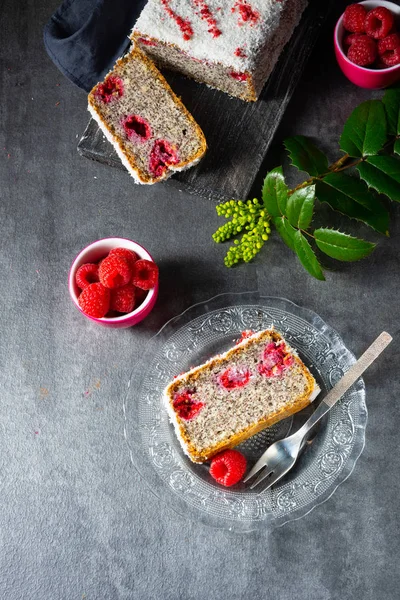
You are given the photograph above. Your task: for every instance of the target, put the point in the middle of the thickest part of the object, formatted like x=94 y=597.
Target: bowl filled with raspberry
x=114 y=282
x=367 y=43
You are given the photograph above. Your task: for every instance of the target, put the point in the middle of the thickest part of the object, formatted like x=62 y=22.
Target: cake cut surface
x=151 y=130
x=232 y=45
x=235 y=395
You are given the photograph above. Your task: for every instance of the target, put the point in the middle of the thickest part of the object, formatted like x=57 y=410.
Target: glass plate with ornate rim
x=191 y=338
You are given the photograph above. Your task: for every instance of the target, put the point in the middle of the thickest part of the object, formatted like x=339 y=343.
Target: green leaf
x=397 y=146
x=391 y=102
x=285 y=230
x=299 y=207
x=383 y=174
x=351 y=197
x=306 y=156
x=342 y=246
x=364 y=132
x=307 y=257
x=275 y=192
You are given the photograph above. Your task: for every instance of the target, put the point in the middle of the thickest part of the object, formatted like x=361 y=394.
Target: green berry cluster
x=249 y=217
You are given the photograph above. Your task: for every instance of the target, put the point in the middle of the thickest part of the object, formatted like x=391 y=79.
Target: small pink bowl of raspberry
x=104 y=279
x=368 y=33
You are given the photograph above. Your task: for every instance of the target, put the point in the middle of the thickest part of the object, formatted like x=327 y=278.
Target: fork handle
x=350 y=377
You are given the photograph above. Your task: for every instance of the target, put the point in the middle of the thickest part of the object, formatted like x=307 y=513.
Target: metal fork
x=280 y=457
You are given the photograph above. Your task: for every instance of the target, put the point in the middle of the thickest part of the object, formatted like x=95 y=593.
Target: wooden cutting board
x=238 y=133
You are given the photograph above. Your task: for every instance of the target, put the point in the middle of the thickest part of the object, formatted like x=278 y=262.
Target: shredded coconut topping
x=232 y=25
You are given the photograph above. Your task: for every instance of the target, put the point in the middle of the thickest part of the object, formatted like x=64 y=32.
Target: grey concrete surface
x=76 y=521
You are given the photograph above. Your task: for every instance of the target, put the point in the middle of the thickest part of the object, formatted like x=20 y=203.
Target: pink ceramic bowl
x=92 y=254
x=363 y=77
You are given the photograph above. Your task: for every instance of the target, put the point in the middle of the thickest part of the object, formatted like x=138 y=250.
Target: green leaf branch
x=370 y=143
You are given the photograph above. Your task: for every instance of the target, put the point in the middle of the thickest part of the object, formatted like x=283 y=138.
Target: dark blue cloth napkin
x=84 y=38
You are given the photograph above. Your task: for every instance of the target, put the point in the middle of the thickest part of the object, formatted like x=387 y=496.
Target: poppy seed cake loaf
x=235 y=395
x=152 y=132
x=231 y=45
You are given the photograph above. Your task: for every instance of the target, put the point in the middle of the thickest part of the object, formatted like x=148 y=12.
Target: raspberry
x=140 y=295
x=349 y=39
x=95 y=300
x=362 y=51
x=390 y=42
x=378 y=22
x=392 y=58
x=114 y=272
x=162 y=155
x=123 y=298
x=185 y=406
x=136 y=128
x=234 y=377
x=275 y=360
x=228 y=467
x=112 y=89
x=389 y=50
x=354 y=18
x=145 y=274
x=129 y=255
x=87 y=274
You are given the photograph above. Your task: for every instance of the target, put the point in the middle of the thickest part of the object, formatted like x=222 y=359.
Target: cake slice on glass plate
x=236 y=394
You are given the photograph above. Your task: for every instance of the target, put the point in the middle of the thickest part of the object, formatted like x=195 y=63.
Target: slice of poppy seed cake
x=235 y=395
x=151 y=130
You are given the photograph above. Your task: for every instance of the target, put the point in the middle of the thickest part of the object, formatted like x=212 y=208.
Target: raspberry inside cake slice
x=235 y=395
x=231 y=45
x=151 y=130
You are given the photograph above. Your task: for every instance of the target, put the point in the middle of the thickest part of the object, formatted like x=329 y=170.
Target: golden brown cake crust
x=141 y=175
x=200 y=456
